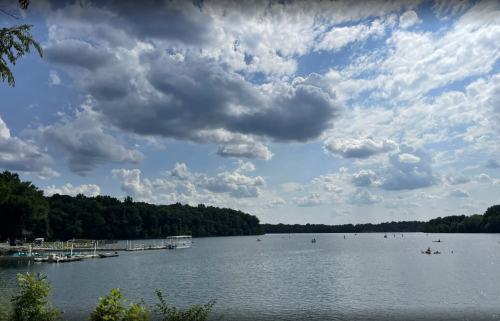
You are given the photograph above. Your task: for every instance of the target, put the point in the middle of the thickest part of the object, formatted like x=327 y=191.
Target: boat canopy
x=180 y=237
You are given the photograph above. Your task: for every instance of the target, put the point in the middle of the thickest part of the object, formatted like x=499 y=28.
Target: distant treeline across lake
x=23 y=207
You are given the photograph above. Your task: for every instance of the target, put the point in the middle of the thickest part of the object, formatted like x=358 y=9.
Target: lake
x=364 y=276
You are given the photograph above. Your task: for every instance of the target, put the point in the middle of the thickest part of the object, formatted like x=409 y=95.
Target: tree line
x=404 y=226
x=63 y=217
x=489 y=222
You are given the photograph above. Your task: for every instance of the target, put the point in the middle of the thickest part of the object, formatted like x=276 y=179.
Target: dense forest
x=489 y=222
x=61 y=217
x=347 y=228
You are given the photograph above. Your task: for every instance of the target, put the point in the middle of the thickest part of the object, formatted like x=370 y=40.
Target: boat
x=430 y=252
x=258 y=240
x=41 y=259
x=385 y=236
x=179 y=242
x=104 y=255
x=313 y=241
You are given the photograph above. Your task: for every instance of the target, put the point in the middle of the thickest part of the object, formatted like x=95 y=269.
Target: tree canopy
x=477 y=223
x=22 y=206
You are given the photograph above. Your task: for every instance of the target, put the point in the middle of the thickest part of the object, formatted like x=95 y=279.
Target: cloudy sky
x=303 y=112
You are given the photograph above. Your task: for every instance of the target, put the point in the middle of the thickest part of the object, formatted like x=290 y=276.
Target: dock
x=16 y=258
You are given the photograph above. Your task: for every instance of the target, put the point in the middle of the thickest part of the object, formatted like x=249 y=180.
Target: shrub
x=31 y=303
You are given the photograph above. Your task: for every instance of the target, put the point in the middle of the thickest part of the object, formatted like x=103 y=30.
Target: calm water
x=362 y=277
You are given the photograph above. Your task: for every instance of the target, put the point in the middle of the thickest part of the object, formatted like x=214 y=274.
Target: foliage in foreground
x=31 y=304
x=15 y=42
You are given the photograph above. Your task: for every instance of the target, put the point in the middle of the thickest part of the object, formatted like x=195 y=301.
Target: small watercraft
x=258 y=240
x=104 y=255
x=313 y=241
x=430 y=252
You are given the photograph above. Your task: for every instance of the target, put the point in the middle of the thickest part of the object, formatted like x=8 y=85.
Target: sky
x=294 y=111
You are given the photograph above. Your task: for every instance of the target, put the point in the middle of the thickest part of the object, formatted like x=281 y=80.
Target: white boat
x=179 y=242
x=41 y=259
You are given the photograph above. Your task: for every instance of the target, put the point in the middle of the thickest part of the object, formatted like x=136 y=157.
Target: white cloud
x=291 y=187
x=85 y=142
x=247 y=167
x=89 y=190
x=180 y=171
x=339 y=37
x=408 y=19
x=24 y=155
x=364 y=197
x=408 y=158
x=54 y=78
x=358 y=148
x=483 y=177
x=275 y=203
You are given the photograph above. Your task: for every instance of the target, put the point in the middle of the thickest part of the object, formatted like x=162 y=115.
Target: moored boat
x=179 y=242
x=105 y=255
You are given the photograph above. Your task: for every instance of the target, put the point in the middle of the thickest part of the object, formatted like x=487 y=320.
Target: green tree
x=25 y=207
x=31 y=303
x=15 y=42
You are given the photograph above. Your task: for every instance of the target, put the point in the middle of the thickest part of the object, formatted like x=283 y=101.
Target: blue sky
x=304 y=112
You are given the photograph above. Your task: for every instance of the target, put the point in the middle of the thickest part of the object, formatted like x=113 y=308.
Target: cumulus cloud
x=235 y=184
x=85 y=142
x=311 y=200
x=401 y=176
x=275 y=203
x=180 y=171
x=251 y=151
x=408 y=19
x=333 y=188
x=247 y=167
x=408 y=158
x=364 y=178
x=24 y=155
x=364 y=197
x=89 y=190
x=339 y=37
x=483 y=177
x=358 y=148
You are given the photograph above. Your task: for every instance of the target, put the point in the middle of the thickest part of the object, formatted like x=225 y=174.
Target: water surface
x=284 y=277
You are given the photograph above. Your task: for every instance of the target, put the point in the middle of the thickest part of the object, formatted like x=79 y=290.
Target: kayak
x=431 y=252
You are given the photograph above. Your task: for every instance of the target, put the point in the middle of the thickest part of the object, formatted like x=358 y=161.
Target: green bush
x=111 y=309
x=196 y=313
x=31 y=303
